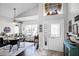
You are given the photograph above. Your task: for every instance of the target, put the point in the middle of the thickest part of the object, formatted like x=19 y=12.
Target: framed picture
x=53 y=8
x=75 y=28
x=70 y=26
x=7 y=29
x=40 y=28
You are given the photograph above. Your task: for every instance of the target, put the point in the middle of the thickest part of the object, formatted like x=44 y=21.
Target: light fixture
x=14 y=15
x=14 y=18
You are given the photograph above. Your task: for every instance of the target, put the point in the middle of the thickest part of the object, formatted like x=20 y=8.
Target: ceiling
x=6 y=9
x=29 y=18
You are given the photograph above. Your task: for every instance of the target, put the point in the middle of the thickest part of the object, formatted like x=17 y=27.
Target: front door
x=55 y=36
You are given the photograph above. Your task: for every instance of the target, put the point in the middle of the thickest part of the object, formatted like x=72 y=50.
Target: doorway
x=55 y=36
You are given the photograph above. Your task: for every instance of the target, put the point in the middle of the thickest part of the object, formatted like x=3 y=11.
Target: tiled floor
x=32 y=51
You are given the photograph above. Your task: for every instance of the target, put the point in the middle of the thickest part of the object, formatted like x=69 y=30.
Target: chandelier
x=14 y=18
x=14 y=15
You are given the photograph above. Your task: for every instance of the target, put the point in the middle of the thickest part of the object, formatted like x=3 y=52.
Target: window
x=16 y=28
x=31 y=29
x=55 y=30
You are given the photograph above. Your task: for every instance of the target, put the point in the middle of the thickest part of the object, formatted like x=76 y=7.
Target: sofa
x=3 y=43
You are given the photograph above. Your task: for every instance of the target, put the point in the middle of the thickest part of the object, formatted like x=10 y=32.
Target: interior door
x=55 y=36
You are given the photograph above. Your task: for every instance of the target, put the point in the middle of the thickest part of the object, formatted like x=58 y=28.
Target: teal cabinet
x=70 y=49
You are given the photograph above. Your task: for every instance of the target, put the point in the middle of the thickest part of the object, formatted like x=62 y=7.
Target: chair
x=14 y=42
x=1 y=41
x=36 y=41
